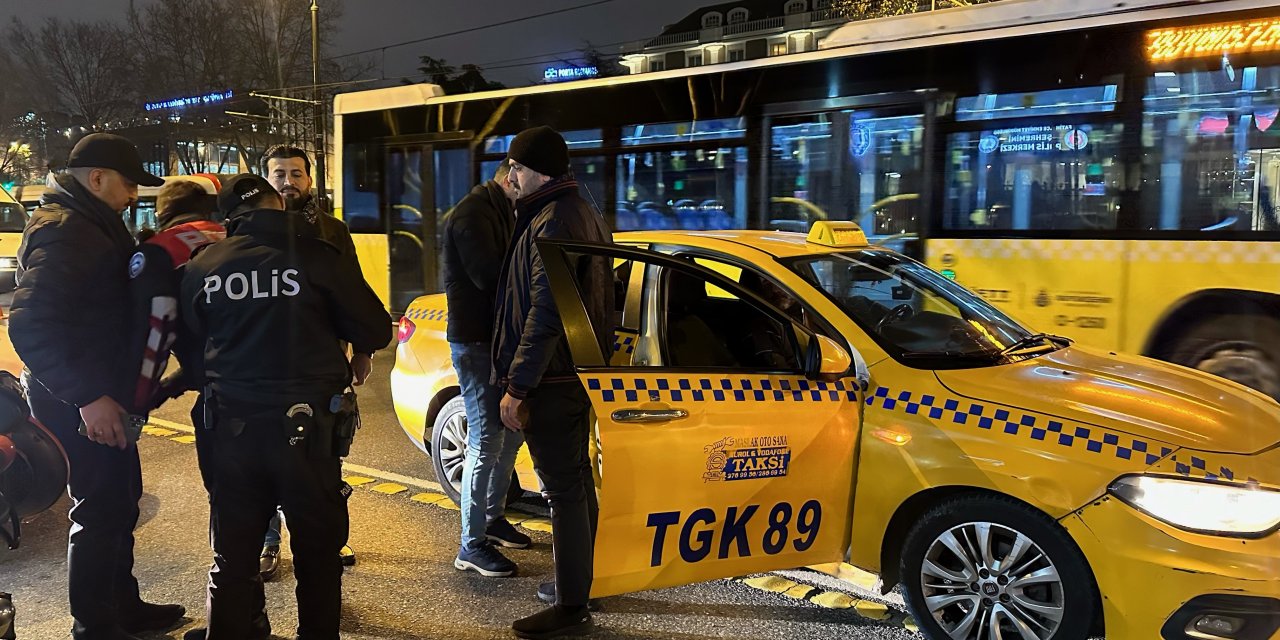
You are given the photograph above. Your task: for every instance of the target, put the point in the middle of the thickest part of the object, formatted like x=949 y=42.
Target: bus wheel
x=984 y=566
x=1241 y=348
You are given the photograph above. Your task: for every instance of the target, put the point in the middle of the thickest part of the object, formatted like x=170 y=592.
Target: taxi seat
x=691 y=342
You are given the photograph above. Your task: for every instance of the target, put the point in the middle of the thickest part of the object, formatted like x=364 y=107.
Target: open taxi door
x=728 y=439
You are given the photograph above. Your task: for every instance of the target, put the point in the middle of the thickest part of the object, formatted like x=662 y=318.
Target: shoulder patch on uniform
x=136 y=264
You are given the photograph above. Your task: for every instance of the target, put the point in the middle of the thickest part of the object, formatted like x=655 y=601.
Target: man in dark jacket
x=288 y=169
x=272 y=304
x=476 y=234
x=543 y=395
x=69 y=311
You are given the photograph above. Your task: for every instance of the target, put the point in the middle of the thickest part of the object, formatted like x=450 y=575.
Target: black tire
x=448 y=451
x=1012 y=592
x=1242 y=347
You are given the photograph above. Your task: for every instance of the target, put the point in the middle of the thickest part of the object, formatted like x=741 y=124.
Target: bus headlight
x=1202 y=506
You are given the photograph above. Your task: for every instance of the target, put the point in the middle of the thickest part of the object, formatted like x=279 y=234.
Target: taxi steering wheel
x=896 y=314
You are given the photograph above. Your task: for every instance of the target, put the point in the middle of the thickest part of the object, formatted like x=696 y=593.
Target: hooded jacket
x=72 y=301
x=476 y=235
x=529 y=347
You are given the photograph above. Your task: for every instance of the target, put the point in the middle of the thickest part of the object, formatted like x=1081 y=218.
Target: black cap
x=110 y=151
x=241 y=189
x=541 y=149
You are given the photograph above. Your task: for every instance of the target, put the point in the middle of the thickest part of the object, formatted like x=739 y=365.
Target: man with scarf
x=543 y=396
x=288 y=169
x=69 y=311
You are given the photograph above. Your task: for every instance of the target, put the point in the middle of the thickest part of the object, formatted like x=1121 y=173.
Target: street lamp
x=318 y=119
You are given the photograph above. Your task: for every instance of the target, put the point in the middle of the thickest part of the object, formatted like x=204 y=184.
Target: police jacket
x=155 y=277
x=71 y=304
x=271 y=303
x=529 y=347
x=476 y=235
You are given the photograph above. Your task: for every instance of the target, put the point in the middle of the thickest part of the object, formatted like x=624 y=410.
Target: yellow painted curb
x=358 y=481
x=158 y=432
x=910 y=625
x=537 y=524
x=833 y=600
x=775 y=584
x=428 y=498
x=390 y=488
x=872 y=610
x=184 y=439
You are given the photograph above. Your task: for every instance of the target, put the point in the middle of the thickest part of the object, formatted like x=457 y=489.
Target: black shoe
x=486 y=561
x=269 y=562
x=152 y=617
x=261 y=630
x=348 y=556
x=7 y=632
x=553 y=622
x=547 y=594
x=505 y=534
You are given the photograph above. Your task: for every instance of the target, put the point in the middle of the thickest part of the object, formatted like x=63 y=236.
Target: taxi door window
x=722 y=330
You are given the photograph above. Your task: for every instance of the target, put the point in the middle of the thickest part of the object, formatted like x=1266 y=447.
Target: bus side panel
x=1163 y=272
x=375 y=263
x=1072 y=288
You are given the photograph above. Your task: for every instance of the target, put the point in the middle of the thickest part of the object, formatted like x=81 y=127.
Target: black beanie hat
x=541 y=149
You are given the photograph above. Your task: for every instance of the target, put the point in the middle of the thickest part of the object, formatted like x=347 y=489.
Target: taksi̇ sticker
x=747 y=458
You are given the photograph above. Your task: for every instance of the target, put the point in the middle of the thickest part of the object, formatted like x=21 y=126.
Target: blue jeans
x=491 y=448
x=273 y=531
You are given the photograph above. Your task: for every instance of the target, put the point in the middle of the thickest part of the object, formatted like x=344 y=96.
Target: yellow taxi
x=778 y=400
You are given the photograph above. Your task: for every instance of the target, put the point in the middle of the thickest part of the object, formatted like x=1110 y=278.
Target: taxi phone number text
x=697 y=535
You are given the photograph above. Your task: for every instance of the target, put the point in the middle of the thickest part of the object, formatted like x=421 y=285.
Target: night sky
x=375 y=23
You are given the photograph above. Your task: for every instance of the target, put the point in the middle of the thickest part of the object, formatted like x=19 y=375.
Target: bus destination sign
x=1255 y=36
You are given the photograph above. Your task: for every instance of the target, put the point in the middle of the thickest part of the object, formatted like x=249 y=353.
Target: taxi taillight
x=405 y=331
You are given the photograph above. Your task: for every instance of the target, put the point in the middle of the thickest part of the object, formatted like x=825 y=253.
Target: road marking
x=390 y=488
x=868 y=609
x=358 y=481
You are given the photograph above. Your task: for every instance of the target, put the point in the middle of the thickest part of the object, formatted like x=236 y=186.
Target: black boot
x=152 y=617
x=554 y=622
x=261 y=630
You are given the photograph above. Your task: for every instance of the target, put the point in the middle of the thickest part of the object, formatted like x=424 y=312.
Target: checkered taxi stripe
x=949 y=411
x=1110 y=251
x=699 y=389
x=428 y=315
x=1042 y=429
x=624 y=343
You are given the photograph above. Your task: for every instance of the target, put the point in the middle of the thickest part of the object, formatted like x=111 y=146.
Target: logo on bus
x=988 y=143
x=1043 y=299
x=1075 y=140
x=859 y=139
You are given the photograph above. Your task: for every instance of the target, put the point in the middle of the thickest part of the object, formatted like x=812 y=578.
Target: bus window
x=1048 y=176
x=1212 y=153
x=698 y=188
x=360 y=174
x=849 y=166
x=583 y=139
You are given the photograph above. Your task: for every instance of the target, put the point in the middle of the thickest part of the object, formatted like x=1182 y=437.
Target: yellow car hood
x=1135 y=395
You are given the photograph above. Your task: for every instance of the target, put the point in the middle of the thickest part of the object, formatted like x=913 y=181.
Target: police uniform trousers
x=249 y=468
x=558 y=434
x=105 y=485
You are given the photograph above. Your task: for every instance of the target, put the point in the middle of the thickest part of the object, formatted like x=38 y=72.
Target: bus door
x=860 y=158
x=423 y=183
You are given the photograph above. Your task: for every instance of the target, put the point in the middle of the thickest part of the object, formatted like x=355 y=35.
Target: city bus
x=1100 y=170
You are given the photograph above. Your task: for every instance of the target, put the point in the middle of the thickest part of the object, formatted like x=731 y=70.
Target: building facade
x=736 y=31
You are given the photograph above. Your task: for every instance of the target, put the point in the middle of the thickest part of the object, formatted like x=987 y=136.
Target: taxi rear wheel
x=981 y=566
x=449 y=449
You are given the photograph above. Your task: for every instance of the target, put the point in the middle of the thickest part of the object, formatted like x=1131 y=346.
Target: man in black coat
x=476 y=234
x=68 y=313
x=543 y=396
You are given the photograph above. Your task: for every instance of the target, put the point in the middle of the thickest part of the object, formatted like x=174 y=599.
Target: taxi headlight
x=1202 y=506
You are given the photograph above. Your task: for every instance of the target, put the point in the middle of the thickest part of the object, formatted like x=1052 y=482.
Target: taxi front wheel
x=981 y=566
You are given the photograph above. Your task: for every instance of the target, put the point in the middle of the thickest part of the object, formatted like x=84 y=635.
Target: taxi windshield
x=920 y=317
x=13 y=218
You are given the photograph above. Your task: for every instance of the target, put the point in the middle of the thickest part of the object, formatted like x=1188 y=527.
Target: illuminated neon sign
x=560 y=74
x=190 y=101
x=1200 y=41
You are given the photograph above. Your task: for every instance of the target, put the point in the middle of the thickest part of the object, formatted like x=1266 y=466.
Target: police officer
x=272 y=302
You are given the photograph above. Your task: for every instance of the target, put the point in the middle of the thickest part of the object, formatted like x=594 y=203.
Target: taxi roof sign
x=835 y=233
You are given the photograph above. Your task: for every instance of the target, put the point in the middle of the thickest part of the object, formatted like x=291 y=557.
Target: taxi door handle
x=649 y=415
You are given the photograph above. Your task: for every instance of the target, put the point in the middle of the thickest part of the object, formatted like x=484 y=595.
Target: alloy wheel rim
x=453 y=447
x=985 y=581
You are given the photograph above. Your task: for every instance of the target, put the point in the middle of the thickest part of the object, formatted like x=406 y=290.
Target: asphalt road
x=404 y=585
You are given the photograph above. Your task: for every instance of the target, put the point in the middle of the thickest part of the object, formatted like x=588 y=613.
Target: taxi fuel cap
x=837 y=233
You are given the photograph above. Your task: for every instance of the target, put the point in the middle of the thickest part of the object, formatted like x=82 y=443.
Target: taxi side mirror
x=826 y=360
